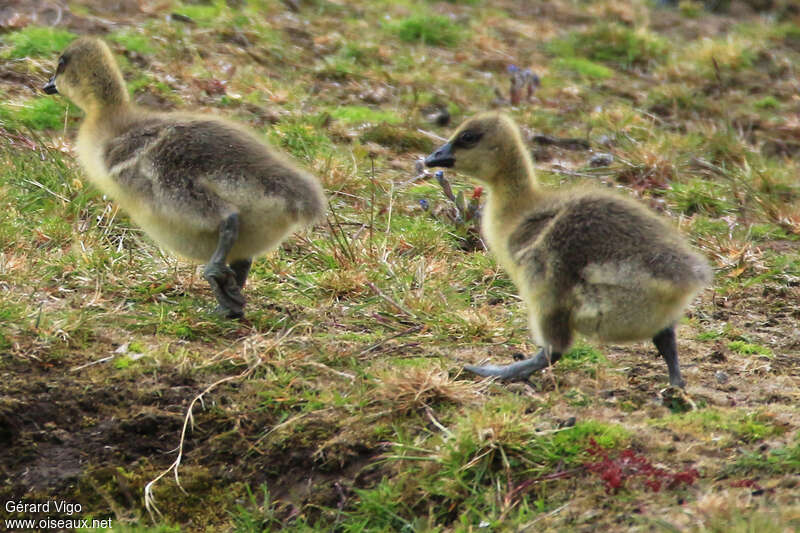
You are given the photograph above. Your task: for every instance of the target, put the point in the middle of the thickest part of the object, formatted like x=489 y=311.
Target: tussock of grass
x=768 y=102
x=412 y=388
x=437 y=30
x=747 y=348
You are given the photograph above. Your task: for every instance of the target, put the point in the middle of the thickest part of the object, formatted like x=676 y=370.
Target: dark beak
x=443 y=157
x=50 y=86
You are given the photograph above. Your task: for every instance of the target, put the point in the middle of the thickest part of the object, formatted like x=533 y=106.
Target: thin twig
x=90 y=363
x=387 y=339
x=431 y=135
x=149 y=498
x=351 y=377
x=390 y=301
x=428 y=411
x=372 y=210
x=37 y=184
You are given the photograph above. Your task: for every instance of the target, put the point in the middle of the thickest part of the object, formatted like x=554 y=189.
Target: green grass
x=352 y=115
x=698 y=197
x=428 y=29
x=768 y=102
x=738 y=425
x=133 y=41
x=204 y=13
x=583 y=357
x=43 y=113
x=302 y=139
x=747 y=348
x=584 y=67
x=613 y=44
x=37 y=41
x=781 y=460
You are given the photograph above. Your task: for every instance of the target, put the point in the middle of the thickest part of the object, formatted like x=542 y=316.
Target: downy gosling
x=202 y=187
x=584 y=260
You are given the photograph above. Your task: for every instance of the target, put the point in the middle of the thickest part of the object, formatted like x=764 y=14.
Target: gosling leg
x=520 y=370
x=221 y=277
x=667 y=347
x=241 y=268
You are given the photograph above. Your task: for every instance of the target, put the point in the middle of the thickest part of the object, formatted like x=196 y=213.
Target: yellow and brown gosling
x=584 y=260
x=205 y=188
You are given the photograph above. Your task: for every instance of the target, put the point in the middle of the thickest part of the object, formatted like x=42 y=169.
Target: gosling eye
x=468 y=138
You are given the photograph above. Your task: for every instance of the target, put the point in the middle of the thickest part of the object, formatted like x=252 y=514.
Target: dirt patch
x=99 y=443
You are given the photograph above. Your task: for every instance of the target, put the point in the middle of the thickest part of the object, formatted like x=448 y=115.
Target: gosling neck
x=102 y=115
x=513 y=186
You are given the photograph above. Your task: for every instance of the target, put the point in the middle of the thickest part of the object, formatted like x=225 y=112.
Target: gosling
x=585 y=261
x=202 y=187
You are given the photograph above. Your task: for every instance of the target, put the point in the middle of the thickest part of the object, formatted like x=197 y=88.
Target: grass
x=739 y=426
x=38 y=114
x=781 y=460
x=584 y=67
x=346 y=407
x=436 y=30
x=613 y=44
x=37 y=41
x=133 y=41
x=747 y=348
x=357 y=115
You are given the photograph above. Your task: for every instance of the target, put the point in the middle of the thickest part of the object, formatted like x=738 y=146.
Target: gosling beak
x=443 y=157
x=50 y=86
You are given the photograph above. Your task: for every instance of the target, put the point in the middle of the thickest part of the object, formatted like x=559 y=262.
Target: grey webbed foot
x=518 y=371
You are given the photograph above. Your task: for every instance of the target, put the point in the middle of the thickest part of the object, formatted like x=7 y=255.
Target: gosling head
x=483 y=147
x=88 y=75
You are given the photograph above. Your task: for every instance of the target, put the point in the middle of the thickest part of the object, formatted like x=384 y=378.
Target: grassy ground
x=339 y=402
